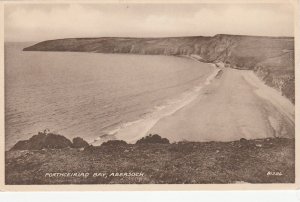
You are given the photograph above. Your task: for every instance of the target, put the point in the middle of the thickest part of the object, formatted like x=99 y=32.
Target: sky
x=38 y=22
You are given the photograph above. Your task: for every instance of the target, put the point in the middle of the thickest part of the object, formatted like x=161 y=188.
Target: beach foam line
x=212 y=76
x=134 y=130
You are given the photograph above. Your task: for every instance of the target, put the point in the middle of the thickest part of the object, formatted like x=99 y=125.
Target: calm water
x=91 y=95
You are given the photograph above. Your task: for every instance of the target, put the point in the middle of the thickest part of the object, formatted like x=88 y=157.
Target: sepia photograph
x=170 y=93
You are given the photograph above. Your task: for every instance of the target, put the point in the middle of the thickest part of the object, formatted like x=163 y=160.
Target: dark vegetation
x=114 y=143
x=160 y=161
x=78 y=142
x=153 y=139
x=49 y=141
x=272 y=58
x=43 y=141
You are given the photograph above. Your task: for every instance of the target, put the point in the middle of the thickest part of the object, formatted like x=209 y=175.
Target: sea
x=96 y=96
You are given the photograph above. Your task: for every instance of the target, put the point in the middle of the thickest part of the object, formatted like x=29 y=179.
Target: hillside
x=151 y=160
x=239 y=51
x=272 y=58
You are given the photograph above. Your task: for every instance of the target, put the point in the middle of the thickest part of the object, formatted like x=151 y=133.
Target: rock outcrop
x=46 y=140
x=54 y=141
x=43 y=141
x=78 y=142
x=153 y=139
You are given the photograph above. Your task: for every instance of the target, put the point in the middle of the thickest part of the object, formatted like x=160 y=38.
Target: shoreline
x=233 y=108
x=281 y=103
x=134 y=130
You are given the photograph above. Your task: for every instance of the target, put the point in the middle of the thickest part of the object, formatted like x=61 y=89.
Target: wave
x=134 y=130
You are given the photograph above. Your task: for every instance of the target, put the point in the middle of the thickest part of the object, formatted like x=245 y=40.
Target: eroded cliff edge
x=271 y=58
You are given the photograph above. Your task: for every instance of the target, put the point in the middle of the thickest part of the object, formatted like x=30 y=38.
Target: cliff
x=279 y=73
x=237 y=51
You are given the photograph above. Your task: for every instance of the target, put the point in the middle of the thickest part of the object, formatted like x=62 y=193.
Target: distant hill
x=272 y=58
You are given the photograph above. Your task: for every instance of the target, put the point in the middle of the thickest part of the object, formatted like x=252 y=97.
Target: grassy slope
x=242 y=52
x=185 y=162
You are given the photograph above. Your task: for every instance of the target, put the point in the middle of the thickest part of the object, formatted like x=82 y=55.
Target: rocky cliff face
x=279 y=72
x=242 y=52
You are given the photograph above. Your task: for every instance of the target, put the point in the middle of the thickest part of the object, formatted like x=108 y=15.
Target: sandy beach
x=235 y=105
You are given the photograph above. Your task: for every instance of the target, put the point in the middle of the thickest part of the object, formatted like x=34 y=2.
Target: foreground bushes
x=78 y=142
x=185 y=162
x=113 y=143
x=43 y=141
x=46 y=140
x=153 y=139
